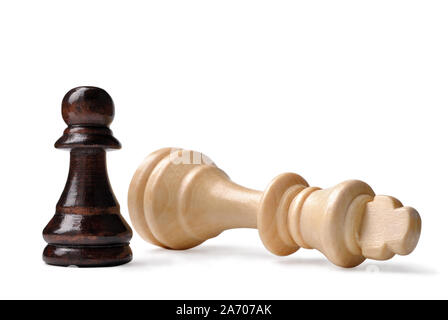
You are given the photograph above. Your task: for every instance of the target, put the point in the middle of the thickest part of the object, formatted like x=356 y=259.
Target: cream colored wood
x=178 y=199
x=136 y=192
x=388 y=228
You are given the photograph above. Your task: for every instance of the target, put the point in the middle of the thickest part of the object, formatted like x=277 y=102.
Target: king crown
x=347 y=223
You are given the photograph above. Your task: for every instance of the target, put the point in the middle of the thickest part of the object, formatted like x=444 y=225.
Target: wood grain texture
x=87 y=229
x=178 y=199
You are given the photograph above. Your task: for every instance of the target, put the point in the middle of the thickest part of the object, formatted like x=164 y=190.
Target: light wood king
x=178 y=199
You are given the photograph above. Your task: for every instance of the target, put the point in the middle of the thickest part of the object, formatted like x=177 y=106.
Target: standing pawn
x=87 y=229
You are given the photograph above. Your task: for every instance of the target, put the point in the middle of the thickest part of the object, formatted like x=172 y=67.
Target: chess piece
x=177 y=199
x=87 y=229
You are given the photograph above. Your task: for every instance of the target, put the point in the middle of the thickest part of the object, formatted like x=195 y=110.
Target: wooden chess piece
x=178 y=199
x=87 y=229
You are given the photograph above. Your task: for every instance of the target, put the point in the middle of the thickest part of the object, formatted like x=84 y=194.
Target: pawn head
x=90 y=106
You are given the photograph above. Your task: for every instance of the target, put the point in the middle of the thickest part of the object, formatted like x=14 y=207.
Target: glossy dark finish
x=87 y=229
x=88 y=106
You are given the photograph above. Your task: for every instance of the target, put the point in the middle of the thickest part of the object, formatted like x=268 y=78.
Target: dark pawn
x=87 y=229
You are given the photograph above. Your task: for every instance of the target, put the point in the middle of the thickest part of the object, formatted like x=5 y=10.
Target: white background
x=332 y=90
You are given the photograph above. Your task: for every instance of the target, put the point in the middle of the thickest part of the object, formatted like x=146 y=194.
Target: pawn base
x=87 y=256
